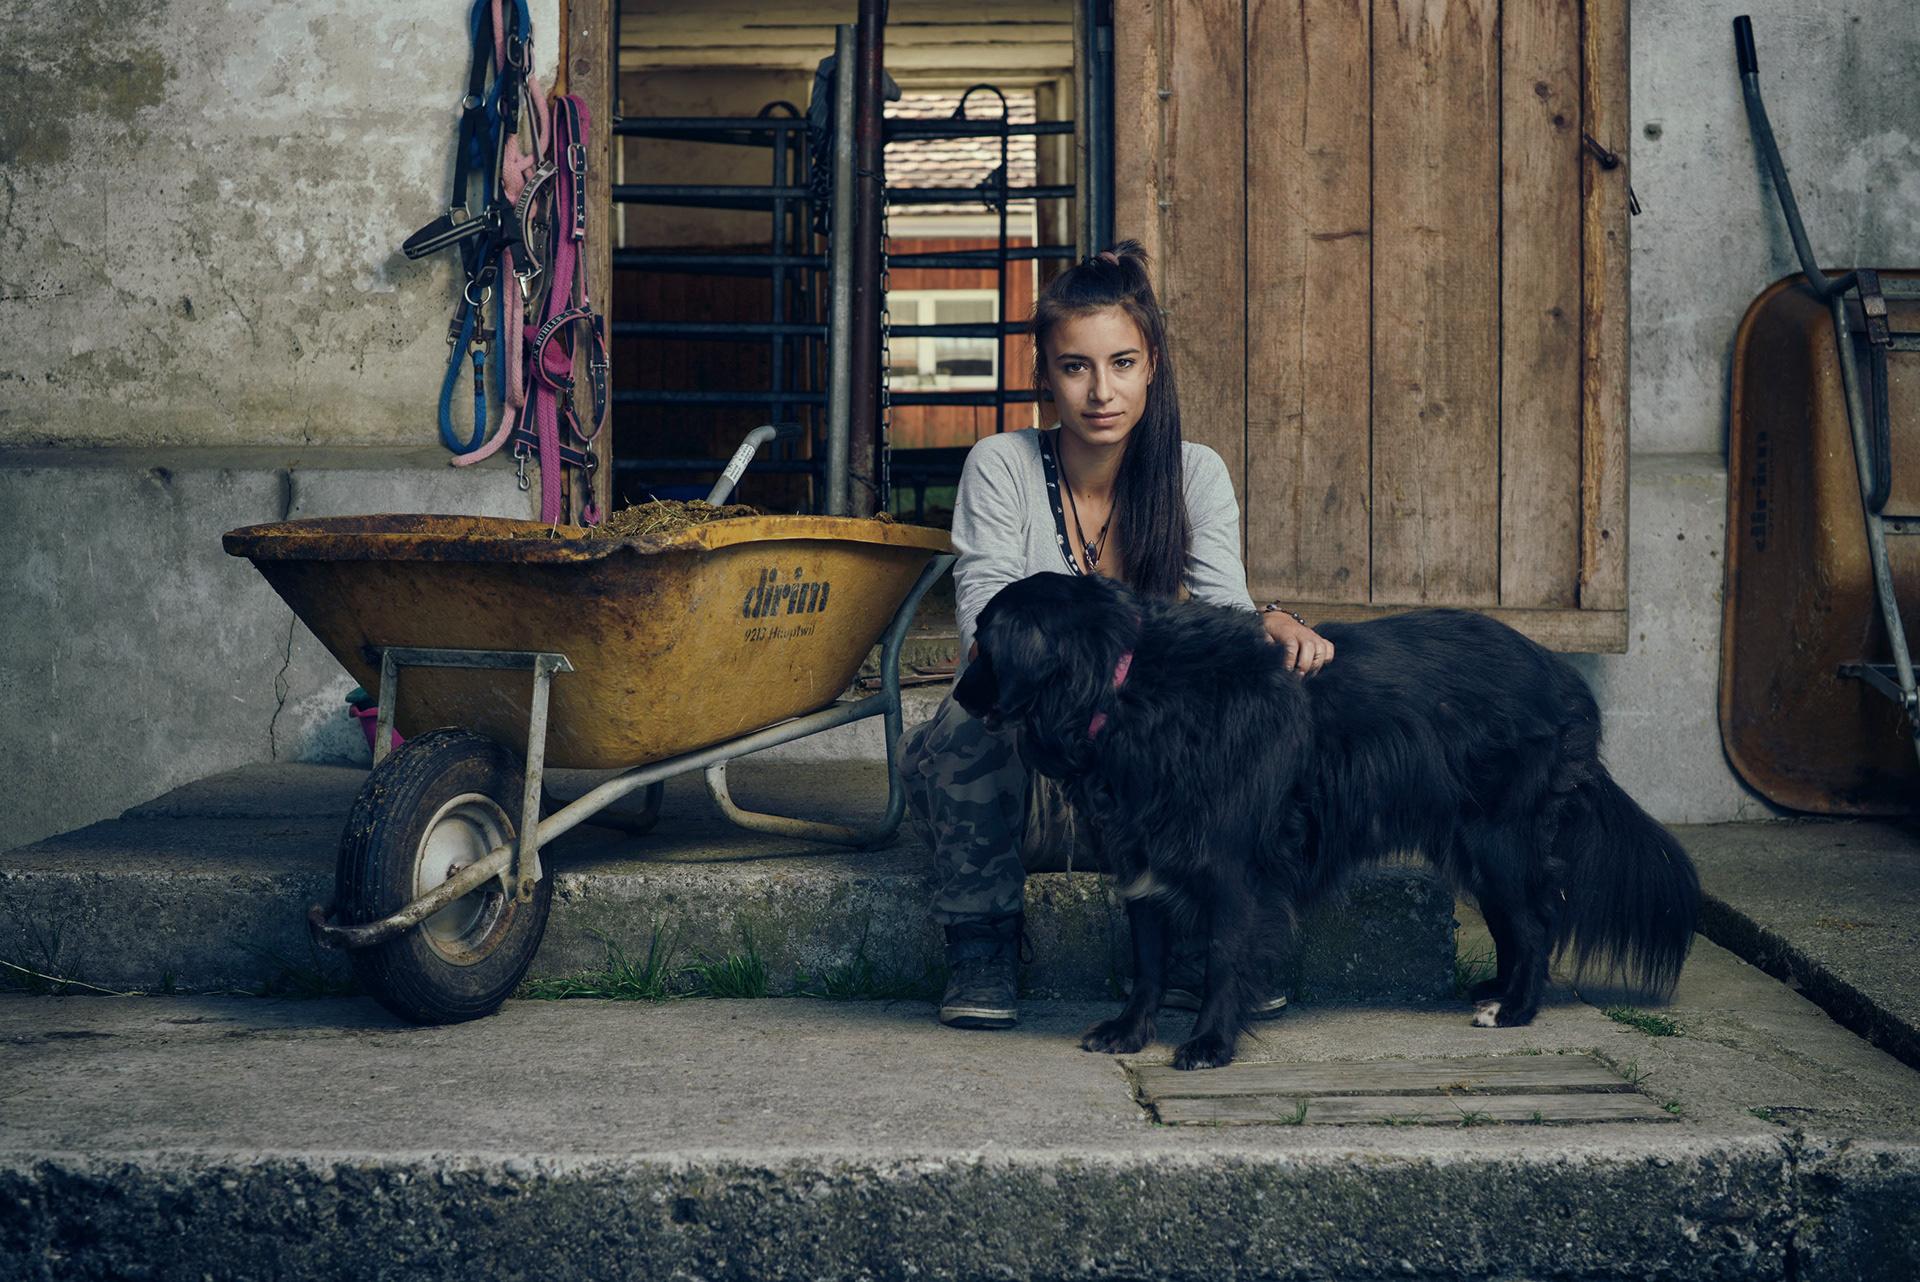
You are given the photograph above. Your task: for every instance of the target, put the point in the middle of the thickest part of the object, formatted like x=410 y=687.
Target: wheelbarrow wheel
x=436 y=804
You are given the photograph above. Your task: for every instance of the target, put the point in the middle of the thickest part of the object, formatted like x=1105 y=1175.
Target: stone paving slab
x=206 y=889
x=171 y=1137
x=1831 y=907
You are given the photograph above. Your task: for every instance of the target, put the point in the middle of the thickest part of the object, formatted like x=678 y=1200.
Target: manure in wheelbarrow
x=658 y=516
x=664 y=516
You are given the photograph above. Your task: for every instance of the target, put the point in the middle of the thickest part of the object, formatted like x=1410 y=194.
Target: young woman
x=1111 y=490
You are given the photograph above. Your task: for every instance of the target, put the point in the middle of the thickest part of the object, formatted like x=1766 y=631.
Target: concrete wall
x=135 y=655
x=1845 y=106
x=201 y=210
x=203 y=303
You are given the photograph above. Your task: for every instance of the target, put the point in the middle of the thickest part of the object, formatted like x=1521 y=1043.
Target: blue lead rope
x=465 y=341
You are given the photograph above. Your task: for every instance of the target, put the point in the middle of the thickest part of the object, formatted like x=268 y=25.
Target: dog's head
x=1048 y=646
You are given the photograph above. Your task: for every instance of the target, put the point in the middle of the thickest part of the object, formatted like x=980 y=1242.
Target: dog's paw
x=1491 y=1014
x=1116 y=1037
x=1511 y=1015
x=1206 y=1051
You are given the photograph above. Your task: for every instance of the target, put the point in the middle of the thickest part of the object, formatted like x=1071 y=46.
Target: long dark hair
x=1149 y=496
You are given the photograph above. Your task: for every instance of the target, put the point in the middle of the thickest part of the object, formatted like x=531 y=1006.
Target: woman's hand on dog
x=1307 y=650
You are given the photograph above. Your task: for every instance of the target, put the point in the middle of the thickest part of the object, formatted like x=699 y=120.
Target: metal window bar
x=1093 y=190
x=790 y=205
x=795 y=341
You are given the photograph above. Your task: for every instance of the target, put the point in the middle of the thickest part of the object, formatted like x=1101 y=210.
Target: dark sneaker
x=981 y=957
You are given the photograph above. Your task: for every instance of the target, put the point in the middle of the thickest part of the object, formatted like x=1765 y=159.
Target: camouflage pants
x=988 y=821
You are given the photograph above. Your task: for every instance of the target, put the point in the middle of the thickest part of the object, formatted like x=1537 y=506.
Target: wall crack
x=280 y=688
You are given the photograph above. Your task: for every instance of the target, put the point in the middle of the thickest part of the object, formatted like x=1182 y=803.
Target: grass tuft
x=622 y=981
x=1471 y=966
x=1650 y=1024
x=1414 y=1118
x=741 y=974
x=1296 y=1118
x=1764 y=1114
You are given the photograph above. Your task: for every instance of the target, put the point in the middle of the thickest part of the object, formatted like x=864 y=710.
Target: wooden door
x=1395 y=286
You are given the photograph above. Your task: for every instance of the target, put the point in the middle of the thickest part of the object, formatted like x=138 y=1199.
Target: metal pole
x=864 y=427
x=1099 y=193
x=1000 y=295
x=777 y=311
x=840 y=277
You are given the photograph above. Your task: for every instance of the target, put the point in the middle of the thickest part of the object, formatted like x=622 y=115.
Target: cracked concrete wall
x=135 y=655
x=201 y=210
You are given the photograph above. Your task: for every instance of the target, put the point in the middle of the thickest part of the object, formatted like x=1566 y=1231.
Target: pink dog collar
x=1119 y=679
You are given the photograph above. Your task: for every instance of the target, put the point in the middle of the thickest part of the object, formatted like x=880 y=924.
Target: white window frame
x=916 y=307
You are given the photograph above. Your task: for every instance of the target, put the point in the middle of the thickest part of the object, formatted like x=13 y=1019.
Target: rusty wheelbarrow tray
x=653 y=655
x=1819 y=707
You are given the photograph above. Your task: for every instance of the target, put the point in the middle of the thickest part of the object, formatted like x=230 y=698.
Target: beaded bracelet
x=1274 y=607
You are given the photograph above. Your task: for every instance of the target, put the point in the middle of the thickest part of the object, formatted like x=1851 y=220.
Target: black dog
x=1225 y=789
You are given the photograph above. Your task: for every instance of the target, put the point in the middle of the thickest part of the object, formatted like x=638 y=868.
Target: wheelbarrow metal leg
x=887 y=705
x=1906 y=695
x=389 y=699
x=524 y=869
x=526 y=860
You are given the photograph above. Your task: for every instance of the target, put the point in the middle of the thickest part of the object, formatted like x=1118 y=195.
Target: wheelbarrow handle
x=737 y=465
x=1743 y=46
x=1826 y=287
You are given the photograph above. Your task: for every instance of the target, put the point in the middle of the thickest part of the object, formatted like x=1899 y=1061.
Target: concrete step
x=205 y=890
x=787 y=1139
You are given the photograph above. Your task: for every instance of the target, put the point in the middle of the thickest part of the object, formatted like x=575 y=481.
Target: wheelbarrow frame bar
x=518 y=864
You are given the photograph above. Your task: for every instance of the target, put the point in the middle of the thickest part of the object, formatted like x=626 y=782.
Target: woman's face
x=1098 y=368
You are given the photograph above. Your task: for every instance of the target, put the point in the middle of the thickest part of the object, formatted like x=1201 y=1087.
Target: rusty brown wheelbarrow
x=655 y=655
x=1819 y=707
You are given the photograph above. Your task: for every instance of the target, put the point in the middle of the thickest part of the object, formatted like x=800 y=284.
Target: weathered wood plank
x=1604 y=311
x=1565 y=631
x=1203 y=218
x=1309 y=242
x=1436 y=327
x=1414 y=1110
x=1540 y=209
x=1498 y=1074
x=1138 y=77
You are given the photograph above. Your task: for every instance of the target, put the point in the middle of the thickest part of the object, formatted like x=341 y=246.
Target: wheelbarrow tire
x=438 y=802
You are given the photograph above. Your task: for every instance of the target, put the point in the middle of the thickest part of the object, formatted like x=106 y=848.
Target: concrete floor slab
x=1831 y=907
x=788 y=1138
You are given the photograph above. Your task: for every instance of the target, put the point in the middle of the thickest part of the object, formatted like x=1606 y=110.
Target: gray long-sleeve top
x=1003 y=527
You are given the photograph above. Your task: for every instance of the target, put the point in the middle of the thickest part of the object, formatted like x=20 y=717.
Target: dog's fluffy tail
x=1632 y=894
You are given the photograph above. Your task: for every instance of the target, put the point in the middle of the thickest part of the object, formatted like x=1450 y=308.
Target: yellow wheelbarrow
x=654 y=655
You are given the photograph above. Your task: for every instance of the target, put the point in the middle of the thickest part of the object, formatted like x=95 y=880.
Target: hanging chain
x=883 y=463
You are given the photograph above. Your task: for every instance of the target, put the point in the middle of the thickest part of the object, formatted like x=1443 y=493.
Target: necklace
x=1092 y=549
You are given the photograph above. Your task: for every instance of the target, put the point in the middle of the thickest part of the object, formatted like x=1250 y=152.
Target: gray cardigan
x=1003 y=526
